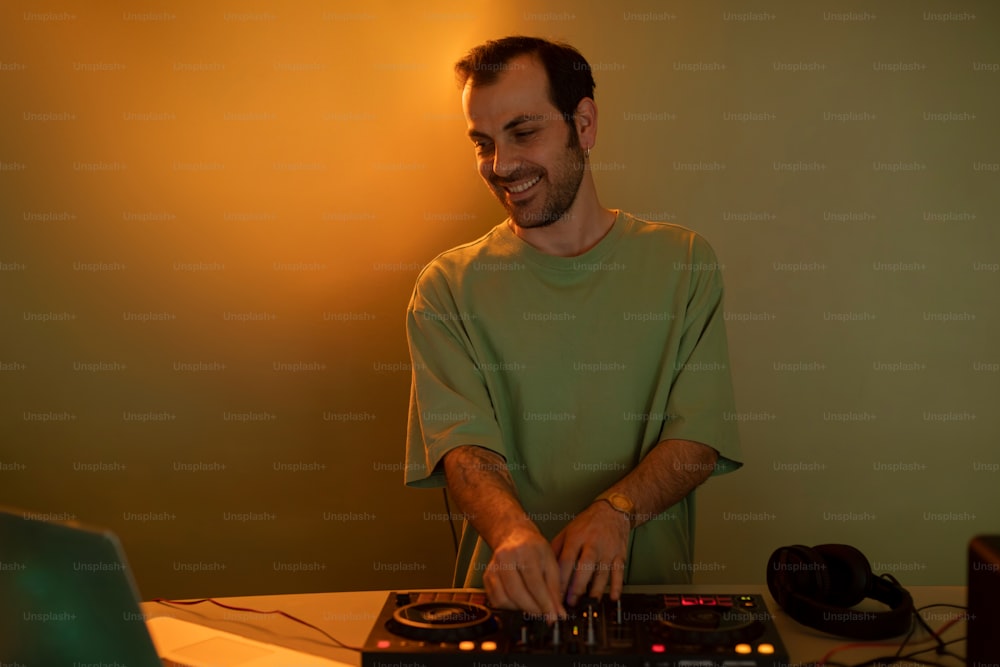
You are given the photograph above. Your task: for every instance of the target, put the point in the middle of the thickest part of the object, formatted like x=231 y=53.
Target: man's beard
x=562 y=192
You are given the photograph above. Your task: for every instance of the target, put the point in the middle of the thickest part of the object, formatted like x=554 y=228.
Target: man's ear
x=585 y=121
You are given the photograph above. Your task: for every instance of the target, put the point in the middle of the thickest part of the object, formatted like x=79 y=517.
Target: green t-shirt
x=572 y=369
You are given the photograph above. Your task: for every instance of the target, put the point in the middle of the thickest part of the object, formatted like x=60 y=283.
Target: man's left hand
x=591 y=551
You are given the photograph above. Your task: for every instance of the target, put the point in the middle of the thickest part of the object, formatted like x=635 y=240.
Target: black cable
x=913 y=629
x=451 y=524
x=339 y=643
x=891 y=660
x=941 y=643
x=927 y=628
x=939 y=646
x=940 y=650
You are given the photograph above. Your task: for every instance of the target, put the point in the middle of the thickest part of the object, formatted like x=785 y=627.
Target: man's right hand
x=524 y=574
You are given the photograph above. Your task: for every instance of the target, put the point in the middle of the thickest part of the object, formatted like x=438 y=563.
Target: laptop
x=67 y=597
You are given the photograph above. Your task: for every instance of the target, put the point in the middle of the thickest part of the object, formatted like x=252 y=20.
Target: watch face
x=620 y=502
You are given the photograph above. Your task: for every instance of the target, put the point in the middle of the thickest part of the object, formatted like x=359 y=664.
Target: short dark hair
x=570 y=78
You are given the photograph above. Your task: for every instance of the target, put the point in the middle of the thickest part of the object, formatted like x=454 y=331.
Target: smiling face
x=526 y=152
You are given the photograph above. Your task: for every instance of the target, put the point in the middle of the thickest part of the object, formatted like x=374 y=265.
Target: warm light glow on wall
x=212 y=216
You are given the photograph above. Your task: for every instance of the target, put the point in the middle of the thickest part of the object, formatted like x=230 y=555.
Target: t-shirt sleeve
x=701 y=406
x=450 y=403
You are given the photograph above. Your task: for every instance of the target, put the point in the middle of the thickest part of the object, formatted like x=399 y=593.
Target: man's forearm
x=668 y=473
x=481 y=485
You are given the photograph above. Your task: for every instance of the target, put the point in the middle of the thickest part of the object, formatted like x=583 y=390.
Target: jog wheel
x=442 y=621
x=709 y=625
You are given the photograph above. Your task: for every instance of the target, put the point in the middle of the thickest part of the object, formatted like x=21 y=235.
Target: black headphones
x=818 y=586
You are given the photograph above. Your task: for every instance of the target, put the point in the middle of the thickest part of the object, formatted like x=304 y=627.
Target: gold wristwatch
x=620 y=502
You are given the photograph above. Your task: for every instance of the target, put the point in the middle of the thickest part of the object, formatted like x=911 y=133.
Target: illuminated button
x=766 y=649
x=706 y=600
x=384 y=643
x=658 y=648
x=743 y=649
x=488 y=646
x=466 y=646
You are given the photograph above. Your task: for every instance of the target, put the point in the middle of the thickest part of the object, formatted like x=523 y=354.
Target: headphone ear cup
x=796 y=570
x=848 y=572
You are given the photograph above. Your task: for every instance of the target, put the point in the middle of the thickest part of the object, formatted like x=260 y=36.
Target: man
x=570 y=368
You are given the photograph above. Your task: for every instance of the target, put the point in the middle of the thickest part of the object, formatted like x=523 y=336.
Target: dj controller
x=459 y=629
